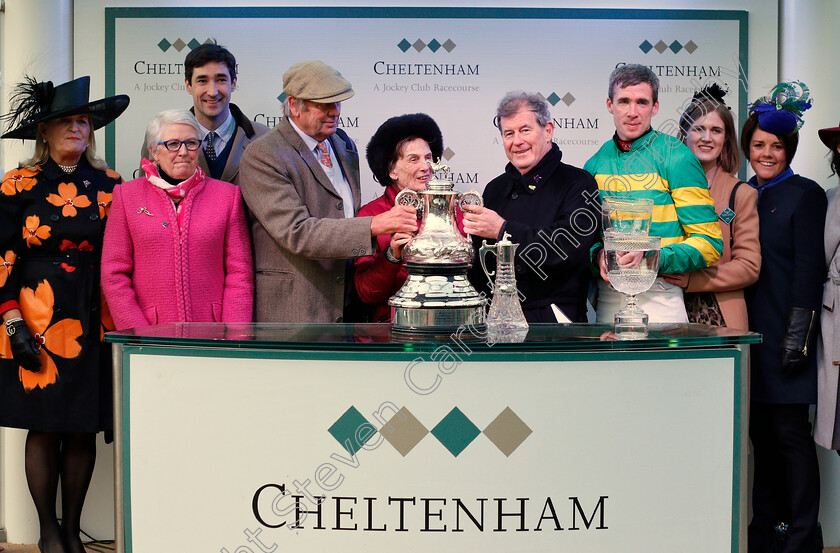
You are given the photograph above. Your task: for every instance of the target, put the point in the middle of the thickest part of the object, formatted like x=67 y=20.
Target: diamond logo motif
x=352 y=430
x=568 y=99
x=164 y=45
x=448 y=154
x=645 y=47
x=419 y=45
x=179 y=45
x=404 y=45
x=660 y=46
x=193 y=44
x=553 y=99
x=507 y=431
x=404 y=431
x=675 y=46
x=449 y=45
x=434 y=45
x=690 y=47
x=282 y=97
x=455 y=431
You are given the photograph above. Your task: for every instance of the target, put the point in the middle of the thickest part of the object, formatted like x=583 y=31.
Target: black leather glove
x=798 y=340
x=25 y=349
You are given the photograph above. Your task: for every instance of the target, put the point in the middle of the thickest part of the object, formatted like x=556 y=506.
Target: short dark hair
x=729 y=159
x=790 y=140
x=207 y=53
x=632 y=74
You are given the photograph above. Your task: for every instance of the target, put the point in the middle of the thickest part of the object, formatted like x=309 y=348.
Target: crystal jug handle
x=481 y=253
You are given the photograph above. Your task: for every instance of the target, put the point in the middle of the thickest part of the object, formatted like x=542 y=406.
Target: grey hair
x=165 y=118
x=287 y=105
x=633 y=74
x=513 y=102
x=42 y=152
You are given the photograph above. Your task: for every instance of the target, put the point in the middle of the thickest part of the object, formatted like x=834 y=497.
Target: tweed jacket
x=738 y=266
x=302 y=241
x=246 y=132
x=159 y=266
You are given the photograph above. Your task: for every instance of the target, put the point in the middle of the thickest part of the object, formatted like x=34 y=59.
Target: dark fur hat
x=380 y=149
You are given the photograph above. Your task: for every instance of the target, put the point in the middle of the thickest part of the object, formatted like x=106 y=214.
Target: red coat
x=156 y=269
x=377 y=279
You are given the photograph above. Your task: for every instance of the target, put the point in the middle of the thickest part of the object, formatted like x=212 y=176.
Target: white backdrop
x=454 y=64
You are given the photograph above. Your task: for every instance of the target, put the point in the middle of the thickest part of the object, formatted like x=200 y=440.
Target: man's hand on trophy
x=400 y=218
x=481 y=221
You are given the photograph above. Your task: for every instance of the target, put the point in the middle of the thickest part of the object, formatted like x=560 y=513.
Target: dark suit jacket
x=301 y=238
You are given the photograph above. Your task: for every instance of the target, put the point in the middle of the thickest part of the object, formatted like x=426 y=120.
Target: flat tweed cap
x=316 y=81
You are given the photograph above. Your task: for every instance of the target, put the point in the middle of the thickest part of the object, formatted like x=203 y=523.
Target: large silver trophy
x=437 y=298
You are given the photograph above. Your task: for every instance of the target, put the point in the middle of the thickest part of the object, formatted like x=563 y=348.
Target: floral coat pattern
x=51 y=230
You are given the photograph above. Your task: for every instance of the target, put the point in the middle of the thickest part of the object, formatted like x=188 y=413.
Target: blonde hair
x=42 y=152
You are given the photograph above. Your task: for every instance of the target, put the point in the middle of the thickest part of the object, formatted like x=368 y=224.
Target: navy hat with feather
x=33 y=103
x=380 y=149
x=780 y=112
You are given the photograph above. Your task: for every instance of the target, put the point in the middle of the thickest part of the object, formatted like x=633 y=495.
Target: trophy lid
x=440 y=181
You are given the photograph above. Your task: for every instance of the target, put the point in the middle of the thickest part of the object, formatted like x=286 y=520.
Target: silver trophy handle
x=470 y=198
x=409 y=197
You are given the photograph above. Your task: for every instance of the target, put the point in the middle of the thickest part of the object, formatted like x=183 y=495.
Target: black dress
x=51 y=229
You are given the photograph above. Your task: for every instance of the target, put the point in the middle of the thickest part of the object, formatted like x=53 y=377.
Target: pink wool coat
x=160 y=267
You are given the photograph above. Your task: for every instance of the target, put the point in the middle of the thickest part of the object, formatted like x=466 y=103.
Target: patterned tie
x=209 y=151
x=325 y=155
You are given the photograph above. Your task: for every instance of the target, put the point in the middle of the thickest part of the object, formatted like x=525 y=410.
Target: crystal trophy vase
x=626 y=216
x=437 y=298
x=505 y=309
x=632 y=265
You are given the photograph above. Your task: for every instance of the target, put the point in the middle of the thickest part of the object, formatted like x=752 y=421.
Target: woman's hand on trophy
x=482 y=221
x=400 y=218
x=398 y=241
x=680 y=279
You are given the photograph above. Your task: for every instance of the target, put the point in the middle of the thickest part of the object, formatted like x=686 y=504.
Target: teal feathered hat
x=780 y=112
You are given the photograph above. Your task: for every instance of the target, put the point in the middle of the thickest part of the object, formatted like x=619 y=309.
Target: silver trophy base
x=437 y=300
x=438 y=321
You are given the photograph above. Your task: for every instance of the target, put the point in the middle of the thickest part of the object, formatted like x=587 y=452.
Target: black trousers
x=786 y=487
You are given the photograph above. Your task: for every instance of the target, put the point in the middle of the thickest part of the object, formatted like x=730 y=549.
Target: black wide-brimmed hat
x=381 y=147
x=830 y=137
x=33 y=103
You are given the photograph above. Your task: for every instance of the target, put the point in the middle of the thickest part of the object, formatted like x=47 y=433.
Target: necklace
x=67 y=168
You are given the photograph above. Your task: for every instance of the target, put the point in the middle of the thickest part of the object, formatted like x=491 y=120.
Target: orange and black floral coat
x=51 y=229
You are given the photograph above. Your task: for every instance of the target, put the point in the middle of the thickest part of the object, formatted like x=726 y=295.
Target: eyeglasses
x=192 y=144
